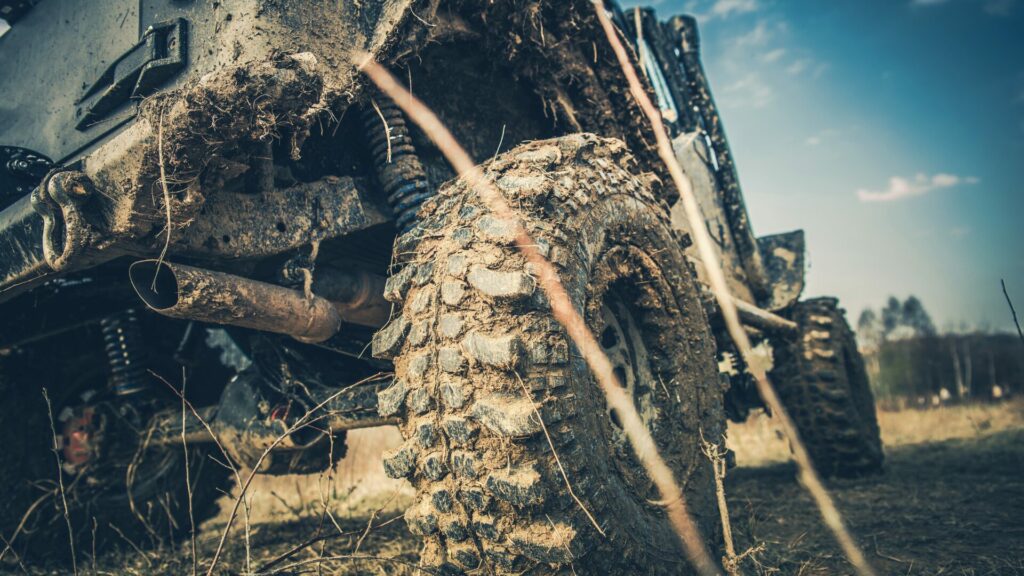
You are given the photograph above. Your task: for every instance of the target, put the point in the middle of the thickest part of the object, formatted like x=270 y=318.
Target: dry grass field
x=950 y=502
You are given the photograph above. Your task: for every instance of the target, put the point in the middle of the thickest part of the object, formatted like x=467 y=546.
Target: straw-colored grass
x=758 y=441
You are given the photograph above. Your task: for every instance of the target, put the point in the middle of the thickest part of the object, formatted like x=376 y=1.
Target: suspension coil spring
x=122 y=340
x=398 y=167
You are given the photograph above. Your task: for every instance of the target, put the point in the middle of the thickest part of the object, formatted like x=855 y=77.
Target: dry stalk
x=387 y=129
x=167 y=195
x=17 y=557
x=314 y=540
x=21 y=524
x=808 y=476
x=133 y=545
x=302 y=422
x=60 y=484
x=719 y=465
x=290 y=568
x=1013 y=312
x=562 y=309
x=188 y=480
x=568 y=485
x=227 y=459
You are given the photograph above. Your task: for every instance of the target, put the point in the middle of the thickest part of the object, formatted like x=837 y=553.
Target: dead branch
x=1012 y=311
x=808 y=475
x=568 y=485
x=719 y=465
x=188 y=479
x=60 y=483
x=302 y=422
x=316 y=538
x=346 y=557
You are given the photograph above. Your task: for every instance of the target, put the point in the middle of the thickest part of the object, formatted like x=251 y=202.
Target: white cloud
x=749 y=91
x=773 y=55
x=921 y=184
x=797 y=68
x=759 y=35
x=707 y=10
x=823 y=135
x=726 y=8
x=4 y=26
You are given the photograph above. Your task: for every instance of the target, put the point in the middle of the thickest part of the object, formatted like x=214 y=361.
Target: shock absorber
x=397 y=166
x=122 y=340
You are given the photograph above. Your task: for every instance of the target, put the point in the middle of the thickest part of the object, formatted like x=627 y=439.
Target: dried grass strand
x=809 y=477
x=60 y=484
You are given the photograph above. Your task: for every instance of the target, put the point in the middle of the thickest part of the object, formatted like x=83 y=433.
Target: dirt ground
x=950 y=502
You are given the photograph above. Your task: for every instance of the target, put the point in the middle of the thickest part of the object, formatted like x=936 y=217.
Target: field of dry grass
x=758 y=441
x=950 y=502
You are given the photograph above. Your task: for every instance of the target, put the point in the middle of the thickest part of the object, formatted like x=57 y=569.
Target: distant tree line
x=909 y=361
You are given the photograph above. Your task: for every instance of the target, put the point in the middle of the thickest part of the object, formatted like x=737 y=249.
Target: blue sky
x=892 y=131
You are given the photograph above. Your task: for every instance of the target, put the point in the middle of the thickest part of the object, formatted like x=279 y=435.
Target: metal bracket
x=137 y=73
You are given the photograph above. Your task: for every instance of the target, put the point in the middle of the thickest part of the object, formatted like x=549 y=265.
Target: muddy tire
x=153 y=511
x=822 y=382
x=478 y=357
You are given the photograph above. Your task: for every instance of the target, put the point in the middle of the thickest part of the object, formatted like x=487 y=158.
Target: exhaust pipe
x=358 y=295
x=192 y=293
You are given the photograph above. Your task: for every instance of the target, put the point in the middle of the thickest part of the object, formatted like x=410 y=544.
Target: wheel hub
x=79 y=438
x=622 y=341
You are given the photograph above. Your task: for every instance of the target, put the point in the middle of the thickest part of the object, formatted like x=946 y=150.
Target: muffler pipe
x=190 y=293
x=357 y=294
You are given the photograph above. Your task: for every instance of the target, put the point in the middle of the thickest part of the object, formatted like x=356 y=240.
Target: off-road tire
x=478 y=357
x=98 y=498
x=822 y=383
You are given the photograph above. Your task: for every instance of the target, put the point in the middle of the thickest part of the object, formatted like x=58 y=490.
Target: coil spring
x=401 y=176
x=122 y=340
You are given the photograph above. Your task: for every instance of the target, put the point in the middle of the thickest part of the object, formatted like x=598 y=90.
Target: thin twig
x=501 y=140
x=167 y=196
x=719 y=465
x=60 y=484
x=188 y=478
x=95 y=525
x=314 y=540
x=17 y=557
x=300 y=423
x=349 y=557
x=568 y=485
x=644 y=447
x=808 y=475
x=132 y=544
x=24 y=520
x=1012 y=311
x=387 y=129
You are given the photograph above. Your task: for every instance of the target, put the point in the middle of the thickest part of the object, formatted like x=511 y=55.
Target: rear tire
x=822 y=383
x=478 y=356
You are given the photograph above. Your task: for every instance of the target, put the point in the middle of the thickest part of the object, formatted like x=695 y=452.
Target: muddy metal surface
x=942 y=507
